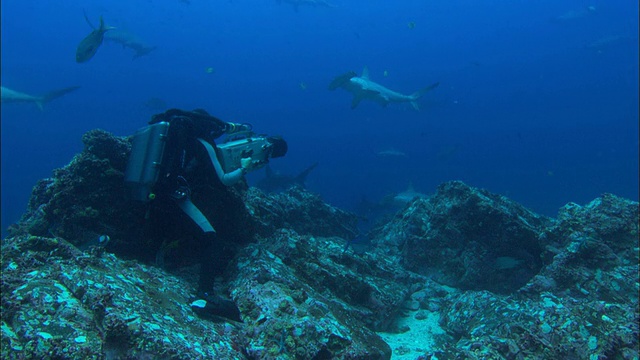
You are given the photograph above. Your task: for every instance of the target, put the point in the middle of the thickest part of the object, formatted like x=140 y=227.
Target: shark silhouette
x=129 y=40
x=363 y=88
x=12 y=96
x=274 y=181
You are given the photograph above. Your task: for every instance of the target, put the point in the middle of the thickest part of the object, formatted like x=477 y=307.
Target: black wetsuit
x=187 y=167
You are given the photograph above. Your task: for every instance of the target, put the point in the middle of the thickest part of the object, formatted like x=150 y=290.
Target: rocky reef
x=496 y=279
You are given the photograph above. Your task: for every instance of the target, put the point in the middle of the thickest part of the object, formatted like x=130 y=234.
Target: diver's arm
x=229 y=178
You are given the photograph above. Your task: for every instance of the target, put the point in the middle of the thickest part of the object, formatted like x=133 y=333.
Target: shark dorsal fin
x=365 y=73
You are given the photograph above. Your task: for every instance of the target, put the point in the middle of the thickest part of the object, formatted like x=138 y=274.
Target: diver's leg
x=212 y=263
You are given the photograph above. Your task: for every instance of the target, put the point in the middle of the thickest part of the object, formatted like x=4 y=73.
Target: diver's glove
x=211 y=306
x=246 y=164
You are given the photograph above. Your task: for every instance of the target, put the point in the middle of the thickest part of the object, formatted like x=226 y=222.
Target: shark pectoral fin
x=362 y=95
x=40 y=105
x=415 y=105
x=355 y=101
x=87 y=19
x=373 y=93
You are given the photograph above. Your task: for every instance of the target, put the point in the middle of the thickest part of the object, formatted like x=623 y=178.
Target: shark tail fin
x=54 y=95
x=302 y=177
x=103 y=27
x=418 y=94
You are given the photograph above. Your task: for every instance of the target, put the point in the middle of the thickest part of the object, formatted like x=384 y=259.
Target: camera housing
x=257 y=147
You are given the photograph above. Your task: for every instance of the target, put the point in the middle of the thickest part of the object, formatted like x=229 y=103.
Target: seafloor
x=462 y=274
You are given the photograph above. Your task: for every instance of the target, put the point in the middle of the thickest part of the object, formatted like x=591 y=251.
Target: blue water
x=525 y=107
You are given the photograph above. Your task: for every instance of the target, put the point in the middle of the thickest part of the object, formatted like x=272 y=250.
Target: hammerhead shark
x=364 y=88
x=9 y=96
x=91 y=43
x=128 y=40
x=122 y=37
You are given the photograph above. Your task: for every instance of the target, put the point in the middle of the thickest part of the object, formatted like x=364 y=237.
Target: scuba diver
x=176 y=168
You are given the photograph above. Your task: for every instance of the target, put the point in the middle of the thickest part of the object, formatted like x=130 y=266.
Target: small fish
x=209 y=70
x=90 y=44
x=96 y=241
x=411 y=25
x=385 y=73
x=302 y=85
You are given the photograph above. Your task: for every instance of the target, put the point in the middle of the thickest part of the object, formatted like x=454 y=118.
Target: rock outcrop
x=504 y=282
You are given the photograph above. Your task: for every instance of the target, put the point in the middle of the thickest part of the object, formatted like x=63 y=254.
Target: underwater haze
x=537 y=100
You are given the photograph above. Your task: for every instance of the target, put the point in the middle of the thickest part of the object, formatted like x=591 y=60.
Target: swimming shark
x=403 y=198
x=391 y=152
x=274 y=181
x=12 y=96
x=91 y=43
x=373 y=211
x=363 y=87
x=128 y=40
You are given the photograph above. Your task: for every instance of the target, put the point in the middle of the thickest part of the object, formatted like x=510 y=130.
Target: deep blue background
x=525 y=107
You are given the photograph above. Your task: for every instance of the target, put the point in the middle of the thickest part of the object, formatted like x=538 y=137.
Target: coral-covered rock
x=61 y=303
x=482 y=325
x=299 y=308
x=467 y=238
x=591 y=251
x=86 y=198
x=504 y=282
x=301 y=211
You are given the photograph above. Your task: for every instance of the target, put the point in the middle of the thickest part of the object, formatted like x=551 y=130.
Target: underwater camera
x=235 y=148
